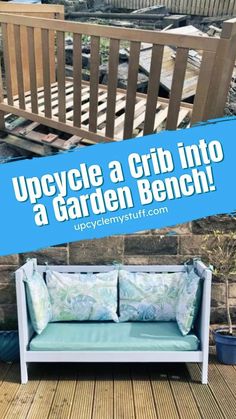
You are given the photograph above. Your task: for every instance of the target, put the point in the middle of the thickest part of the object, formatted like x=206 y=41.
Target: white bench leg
x=205 y=372
x=24 y=372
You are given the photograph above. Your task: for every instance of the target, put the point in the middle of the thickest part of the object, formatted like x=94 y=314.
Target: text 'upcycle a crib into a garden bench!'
x=113 y=314
x=92 y=112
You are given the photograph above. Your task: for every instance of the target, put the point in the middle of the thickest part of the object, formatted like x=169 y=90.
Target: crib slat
x=203 y=86
x=112 y=85
x=46 y=73
x=177 y=88
x=61 y=76
x=19 y=69
x=153 y=88
x=32 y=70
x=7 y=64
x=131 y=89
x=77 y=78
x=94 y=75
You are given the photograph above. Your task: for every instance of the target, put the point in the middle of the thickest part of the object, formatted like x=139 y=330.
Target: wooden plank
x=136 y=35
x=31 y=9
x=4 y=368
x=24 y=397
x=228 y=373
x=77 y=79
x=200 y=110
x=68 y=127
x=123 y=393
x=19 y=69
x=94 y=80
x=112 y=85
x=131 y=89
x=162 y=392
x=32 y=70
x=45 y=394
x=177 y=87
x=218 y=387
x=64 y=395
x=153 y=88
x=9 y=388
x=46 y=73
x=103 y=395
x=7 y=66
x=225 y=8
x=208 y=405
x=143 y=398
x=183 y=396
x=61 y=76
x=84 y=394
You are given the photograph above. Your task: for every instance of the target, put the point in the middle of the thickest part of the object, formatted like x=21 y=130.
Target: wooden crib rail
x=218 y=57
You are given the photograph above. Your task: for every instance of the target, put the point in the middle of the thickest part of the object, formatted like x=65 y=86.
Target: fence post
x=223 y=69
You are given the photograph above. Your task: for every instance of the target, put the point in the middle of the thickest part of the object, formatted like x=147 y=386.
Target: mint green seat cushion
x=100 y=336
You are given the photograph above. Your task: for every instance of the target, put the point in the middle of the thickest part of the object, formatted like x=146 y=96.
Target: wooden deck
x=76 y=391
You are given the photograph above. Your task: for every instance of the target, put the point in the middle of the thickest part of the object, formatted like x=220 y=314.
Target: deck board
x=118 y=391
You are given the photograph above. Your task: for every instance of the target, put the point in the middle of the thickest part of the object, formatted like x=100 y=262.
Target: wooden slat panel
x=32 y=70
x=131 y=89
x=77 y=78
x=19 y=69
x=61 y=76
x=153 y=88
x=204 y=81
x=177 y=87
x=94 y=79
x=7 y=63
x=112 y=85
x=46 y=72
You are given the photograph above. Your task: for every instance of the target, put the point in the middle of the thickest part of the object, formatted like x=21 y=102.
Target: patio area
x=79 y=391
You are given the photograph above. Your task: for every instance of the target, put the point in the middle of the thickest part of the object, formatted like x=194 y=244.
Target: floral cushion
x=83 y=296
x=38 y=302
x=149 y=296
x=188 y=302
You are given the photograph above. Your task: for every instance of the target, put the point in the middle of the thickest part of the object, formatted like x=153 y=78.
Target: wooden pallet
x=37 y=133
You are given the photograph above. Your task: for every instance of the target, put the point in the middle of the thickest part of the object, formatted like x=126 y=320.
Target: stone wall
x=166 y=246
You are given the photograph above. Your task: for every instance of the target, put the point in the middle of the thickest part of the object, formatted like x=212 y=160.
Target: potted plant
x=222 y=257
x=9 y=342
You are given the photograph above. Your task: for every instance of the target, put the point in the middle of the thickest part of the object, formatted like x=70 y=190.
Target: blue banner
x=145 y=183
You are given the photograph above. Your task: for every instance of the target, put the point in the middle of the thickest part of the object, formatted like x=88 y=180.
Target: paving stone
x=99 y=251
x=9 y=260
x=7 y=294
x=7 y=273
x=208 y=225
x=179 y=229
x=151 y=245
x=8 y=316
x=51 y=255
